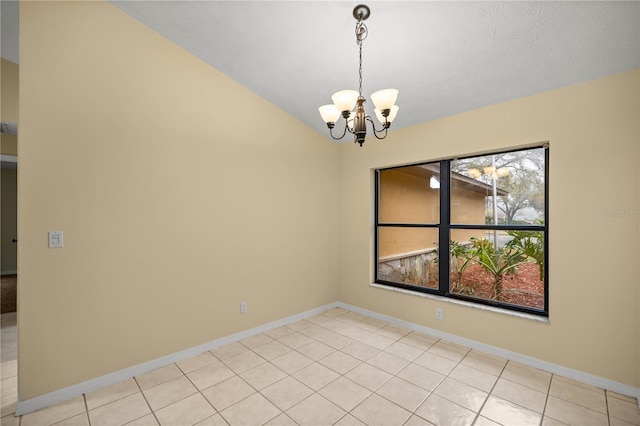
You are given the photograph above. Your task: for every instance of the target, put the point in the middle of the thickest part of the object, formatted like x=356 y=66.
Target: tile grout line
x=253 y=387
x=546 y=400
x=200 y=391
x=86 y=407
x=216 y=412
x=582 y=406
x=145 y=400
x=219 y=412
x=490 y=391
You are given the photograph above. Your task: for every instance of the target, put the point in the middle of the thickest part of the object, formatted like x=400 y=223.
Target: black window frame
x=444 y=234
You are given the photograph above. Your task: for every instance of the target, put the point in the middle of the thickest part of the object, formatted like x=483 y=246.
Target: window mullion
x=546 y=228
x=376 y=221
x=444 y=254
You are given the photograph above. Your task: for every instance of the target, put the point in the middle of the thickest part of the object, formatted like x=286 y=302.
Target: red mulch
x=523 y=287
x=520 y=288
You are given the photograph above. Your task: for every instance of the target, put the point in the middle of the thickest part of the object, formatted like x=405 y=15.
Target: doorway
x=8 y=233
x=8 y=283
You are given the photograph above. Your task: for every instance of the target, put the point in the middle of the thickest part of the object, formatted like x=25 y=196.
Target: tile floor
x=9 y=364
x=336 y=368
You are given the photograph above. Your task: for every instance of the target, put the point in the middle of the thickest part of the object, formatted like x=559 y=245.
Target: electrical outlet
x=243 y=307
x=439 y=314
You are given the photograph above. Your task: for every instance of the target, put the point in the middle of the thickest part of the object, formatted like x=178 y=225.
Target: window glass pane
x=504 y=188
x=408 y=256
x=513 y=273
x=410 y=194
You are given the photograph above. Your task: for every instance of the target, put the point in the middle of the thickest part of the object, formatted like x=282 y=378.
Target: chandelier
x=345 y=100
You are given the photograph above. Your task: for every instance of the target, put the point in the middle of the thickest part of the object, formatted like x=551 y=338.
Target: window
x=470 y=228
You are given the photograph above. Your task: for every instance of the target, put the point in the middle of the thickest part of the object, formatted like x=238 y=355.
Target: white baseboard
x=601 y=382
x=29 y=405
x=64 y=394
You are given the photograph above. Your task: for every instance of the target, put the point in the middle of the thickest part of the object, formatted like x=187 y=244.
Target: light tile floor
x=9 y=363
x=336 y=368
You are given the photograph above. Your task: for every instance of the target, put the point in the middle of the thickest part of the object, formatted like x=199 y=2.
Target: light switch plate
x=55 y=239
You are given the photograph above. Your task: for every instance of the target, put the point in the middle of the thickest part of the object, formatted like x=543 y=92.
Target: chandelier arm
x=376 y=132
x=344 y=132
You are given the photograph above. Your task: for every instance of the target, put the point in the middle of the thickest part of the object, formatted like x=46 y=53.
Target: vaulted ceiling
x=443 y=57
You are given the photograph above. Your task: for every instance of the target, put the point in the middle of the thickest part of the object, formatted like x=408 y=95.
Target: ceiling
x=444 y=57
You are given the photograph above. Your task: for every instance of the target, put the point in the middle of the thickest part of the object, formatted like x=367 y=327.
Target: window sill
x=522 y=315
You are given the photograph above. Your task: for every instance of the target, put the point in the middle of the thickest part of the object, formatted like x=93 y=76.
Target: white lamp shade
x=392 y=114
x=345 y=100
x=384 y=99
x=379 y=115
x=329 y=113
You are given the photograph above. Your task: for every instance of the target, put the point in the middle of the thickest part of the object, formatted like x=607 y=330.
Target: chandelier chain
x=361 y=34
x=360 y=72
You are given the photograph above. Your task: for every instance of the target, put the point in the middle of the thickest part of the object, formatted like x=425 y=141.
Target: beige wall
x=8 y=229
x=592 y=129
x=175 y=203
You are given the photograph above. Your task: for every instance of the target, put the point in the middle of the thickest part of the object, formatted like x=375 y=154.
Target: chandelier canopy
x=345 y=100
